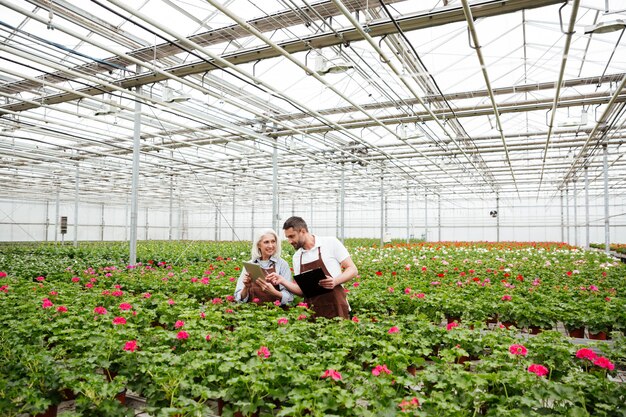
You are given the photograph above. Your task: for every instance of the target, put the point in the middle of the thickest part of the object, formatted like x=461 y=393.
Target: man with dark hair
x=327 y=253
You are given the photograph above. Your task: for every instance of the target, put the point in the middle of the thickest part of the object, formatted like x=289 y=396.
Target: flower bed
x=81 y=321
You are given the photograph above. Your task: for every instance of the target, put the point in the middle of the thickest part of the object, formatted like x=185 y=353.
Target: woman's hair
x=256 y=253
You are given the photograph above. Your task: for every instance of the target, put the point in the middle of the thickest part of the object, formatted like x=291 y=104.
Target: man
x=327 y=253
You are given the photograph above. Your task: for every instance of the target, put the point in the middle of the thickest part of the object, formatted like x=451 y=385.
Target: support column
x=408 y=216
x=275 y=185
x=575 y=215
x=426 y=217
x=562 y=220
x=216 y=238
x=47 y=221
x=586 y=208
x=342 y=217
x=310 y=222
x=252 y=223
x=607 y=238
x=134 y=204
x=171 y=227
x=57 y=217
x=147 y=224
x=567 y=213
x=102 y=222
x=497 y=218
x=232 y=225
x=76 y=187
x=382 y=212
x=439 y=215
x=337 y=203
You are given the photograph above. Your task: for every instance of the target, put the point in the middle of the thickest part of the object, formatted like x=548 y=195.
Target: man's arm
x=349 y=271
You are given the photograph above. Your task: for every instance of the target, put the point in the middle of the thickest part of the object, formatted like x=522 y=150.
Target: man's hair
x=295 y=222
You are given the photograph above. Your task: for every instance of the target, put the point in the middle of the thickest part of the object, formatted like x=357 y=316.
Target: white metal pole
x=408 y=216
x=102 y=222
x=169 y=234
x=134 y=204
x=567 y=213
x=57 y=217
x=252 y=224
x=562 y=220
x=342 y=218
x=575 y=215
x=275 y=185
x=586 y=208
x=147 y=225
x=426 y=217
x=439 y=216
x=607 y=240
x=76 y=186
x=216 y=221
x=382 y=211
x=497 y=218
x=232 y=225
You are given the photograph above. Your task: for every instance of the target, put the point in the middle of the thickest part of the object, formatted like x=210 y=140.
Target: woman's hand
x=247 y=281
x=328 y=282
x=274 y=278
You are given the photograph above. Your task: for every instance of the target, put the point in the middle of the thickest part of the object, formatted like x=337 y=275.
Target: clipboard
x=254 y=270
x=309 y=282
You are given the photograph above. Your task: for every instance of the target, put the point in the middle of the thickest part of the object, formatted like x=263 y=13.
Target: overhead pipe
x=470 y=24
x=558 y=84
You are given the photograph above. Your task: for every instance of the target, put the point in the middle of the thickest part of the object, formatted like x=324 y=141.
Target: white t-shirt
x=333 y=254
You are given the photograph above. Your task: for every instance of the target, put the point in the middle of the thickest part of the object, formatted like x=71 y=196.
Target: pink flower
x=381 y=369
x=356 y=284
x=393 y=330
x=202 y=315
x=4 y=288
x=89 y=285
x=179 y=324
x=62 y=309
x=605 y=363
x=586 y=353
x=46 y=303
x=302 y=317
x=229 y=311
x=117 y=293
x=277 y=303
x=539 y=370
x=506 y=298
x=256 y=300
x=204 y=281
x=119 y=320
x=593 y=288
x=146 y=295
x=263 y=352
x=283 y=320
x=355 y=319
x=131 y=346
x=171 y=302
x=75 y=279
x=406 y=405
x=125 y=306
x=216 y=300
x=40 y=279
x=435 y=283
x=332 y=374
x=305 y=305
x=100 y=310
x=53 y=293
x=390 y=289
x=407 y=290
x=3 y=274
x=518 y=350
x=230 y=298
x=452 y=325
x=182 y=335
x=207 y=337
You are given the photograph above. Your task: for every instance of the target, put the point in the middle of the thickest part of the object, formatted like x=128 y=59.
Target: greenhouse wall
x=519 y=220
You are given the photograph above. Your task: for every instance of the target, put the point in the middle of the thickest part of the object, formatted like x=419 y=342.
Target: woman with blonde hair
x=266 y=251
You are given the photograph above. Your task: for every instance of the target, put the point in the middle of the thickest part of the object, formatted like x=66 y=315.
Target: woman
x=265 y=252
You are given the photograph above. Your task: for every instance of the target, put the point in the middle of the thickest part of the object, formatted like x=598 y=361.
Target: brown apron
x=257 y=292
x=331 y=304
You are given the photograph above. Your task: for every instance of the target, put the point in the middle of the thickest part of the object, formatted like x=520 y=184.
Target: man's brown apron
x=331 y=304
x=257 y=292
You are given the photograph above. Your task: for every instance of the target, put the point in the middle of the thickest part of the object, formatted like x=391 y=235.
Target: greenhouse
x=460 y=161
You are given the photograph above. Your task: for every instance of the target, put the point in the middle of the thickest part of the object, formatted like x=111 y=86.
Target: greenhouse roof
x=508 y=98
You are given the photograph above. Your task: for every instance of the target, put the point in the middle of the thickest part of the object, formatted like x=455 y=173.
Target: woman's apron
x=257 y=292
x=331 y=304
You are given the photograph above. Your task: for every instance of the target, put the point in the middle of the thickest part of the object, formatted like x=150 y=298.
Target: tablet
x=309 y=282
x=254 y=270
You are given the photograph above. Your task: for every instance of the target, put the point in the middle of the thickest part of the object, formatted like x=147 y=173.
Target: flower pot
x=598 y=336
x=121 y=397
x=50 y=412
x=578 y=332
x=452 y=319
x=509 y=324
x=534 y=329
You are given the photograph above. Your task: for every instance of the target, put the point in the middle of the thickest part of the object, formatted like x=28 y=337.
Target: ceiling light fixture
x=606 y=27
x=334 y=65
x=174 y=96
x=106 y=109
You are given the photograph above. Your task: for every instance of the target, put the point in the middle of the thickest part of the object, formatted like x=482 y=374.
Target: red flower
x=332 y=374
x=452 y=325
x=407 y=405
x=3 y=274
x=305 y=305
x=356 y=285
x=217 y=300
x=207 y=337
x=179 y=324
x=146 y=295
x=407 y=290
x=263 y=352
x=605 y=363
x=302 y=317
x=379 y=273
x=125 y=306
x=420 y=295
x=518 y=350
x=539 y=370
x=393 y=330
x=355 y=319
x=569 y=273
x=230 y=298
x=506 y=297
x=46 y=303
x=40 y=279
x=75 y=279
x=182 y=335
x=131 y=346
x=100 y=310
x=62 y=309
x=381 y=369
x=586 y=353
x=283 y=320
x=119 y=320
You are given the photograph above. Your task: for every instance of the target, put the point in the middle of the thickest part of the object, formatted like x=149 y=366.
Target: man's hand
x=328 y=282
